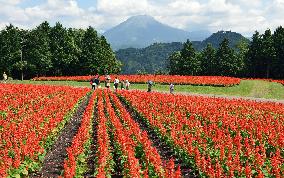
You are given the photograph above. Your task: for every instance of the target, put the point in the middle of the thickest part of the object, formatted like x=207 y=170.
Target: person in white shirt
x=5 y=77
x=127 y=84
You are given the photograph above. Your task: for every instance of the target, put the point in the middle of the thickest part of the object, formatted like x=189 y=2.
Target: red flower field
x=138 y=134
x=165 y=79
x=29 y=114
x=225 y=137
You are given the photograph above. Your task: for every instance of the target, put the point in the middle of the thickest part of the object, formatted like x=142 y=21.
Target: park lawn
x=247 y=88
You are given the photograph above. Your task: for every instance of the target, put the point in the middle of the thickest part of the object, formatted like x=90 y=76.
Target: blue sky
x=244 y=16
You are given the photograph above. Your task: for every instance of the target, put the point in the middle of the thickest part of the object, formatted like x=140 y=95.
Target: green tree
x=61 y=46
x=21 y=66
x=242 y=54
x=254 y=55
x=209 y=63
x=268 y=52
x=107 y=60
x=89 y=60
x=36 y=51
x=227 y=64
x=75 y=37
x=175 y=62
x=10 y=49
x=278 y=38
x=190 y=62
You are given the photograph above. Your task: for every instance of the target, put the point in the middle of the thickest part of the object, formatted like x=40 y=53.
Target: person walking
x=127 y=84
x=97 y=82
x=5 y=77
x=93 y=84
x=116 y=82
x=107 y=81
x=122 y=84
x=172 y=88
x=150 y=84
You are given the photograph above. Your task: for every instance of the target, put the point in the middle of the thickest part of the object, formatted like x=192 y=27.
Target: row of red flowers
x=131 y=166
x=152 y=156
x=279 y=81
x=79 y=140
x=126 y=133
x=28 y=115
x=165 y=79
x=104 y=155
x=227 y=138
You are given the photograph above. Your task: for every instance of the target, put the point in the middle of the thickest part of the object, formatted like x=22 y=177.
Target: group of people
x=124 y=84
x=95 y=83
x=151 y=83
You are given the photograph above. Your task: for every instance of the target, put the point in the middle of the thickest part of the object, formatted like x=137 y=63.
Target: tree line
x=55 y=51
x=263 y=57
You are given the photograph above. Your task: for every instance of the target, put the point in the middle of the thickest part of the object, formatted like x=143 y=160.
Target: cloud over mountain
x=236 y=15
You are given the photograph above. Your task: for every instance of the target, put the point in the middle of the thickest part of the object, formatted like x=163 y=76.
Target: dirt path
x=53 y=162
x=93 y=148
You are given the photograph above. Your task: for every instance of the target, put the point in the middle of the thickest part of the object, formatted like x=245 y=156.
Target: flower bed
x=223 y=138
x=28 y=115
x=163 y=79
x=80 y=139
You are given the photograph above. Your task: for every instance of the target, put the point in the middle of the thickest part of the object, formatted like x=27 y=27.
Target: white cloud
x=122 y=7
x=237 y=15
x=185 y=6
x=11 y=2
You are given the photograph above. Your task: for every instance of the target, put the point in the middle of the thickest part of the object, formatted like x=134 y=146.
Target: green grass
x=247 y=88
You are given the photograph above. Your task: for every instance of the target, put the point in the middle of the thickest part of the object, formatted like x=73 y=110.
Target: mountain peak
x=142 y=30
x=140 y=21
x=141 y=17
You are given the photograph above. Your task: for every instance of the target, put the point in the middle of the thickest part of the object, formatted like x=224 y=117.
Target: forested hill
x=153 y=59
x=216 y=38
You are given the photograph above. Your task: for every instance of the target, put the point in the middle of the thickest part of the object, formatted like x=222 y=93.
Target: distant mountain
x=153 y=58
x=143 y=30
x=216 y=38
x=150 y=59
x=199 y=35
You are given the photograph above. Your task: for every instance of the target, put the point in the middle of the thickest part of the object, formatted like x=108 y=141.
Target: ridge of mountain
x=153 y=58
x=142 y=30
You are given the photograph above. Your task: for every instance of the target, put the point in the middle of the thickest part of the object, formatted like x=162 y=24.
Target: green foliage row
x=262 y=58
x=153 y=59
x=265 y=57
x=55 y=51
x=224 y=61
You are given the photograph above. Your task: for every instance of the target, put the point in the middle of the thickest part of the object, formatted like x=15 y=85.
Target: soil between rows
x=164 y=150
x=91 y=159
x=53 y=163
